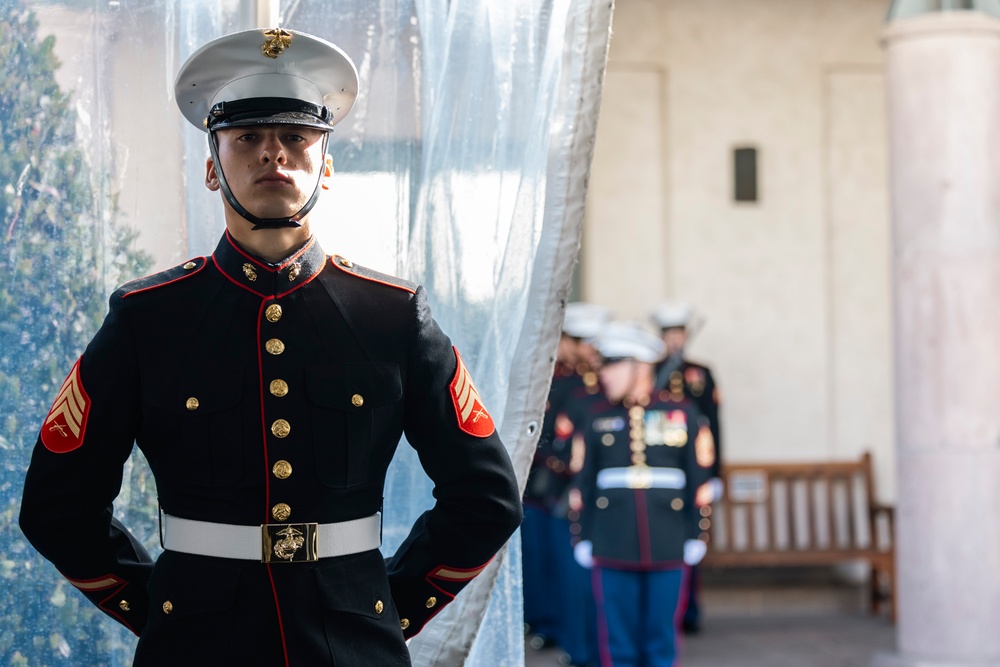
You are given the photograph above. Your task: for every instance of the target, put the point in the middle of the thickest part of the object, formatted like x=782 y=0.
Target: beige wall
x=794 y=288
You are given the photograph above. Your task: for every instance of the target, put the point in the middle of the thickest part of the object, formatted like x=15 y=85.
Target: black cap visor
x=268 y=111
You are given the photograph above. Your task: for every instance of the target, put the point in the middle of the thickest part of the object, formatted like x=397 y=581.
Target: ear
x=327 y=172
x=211 y=178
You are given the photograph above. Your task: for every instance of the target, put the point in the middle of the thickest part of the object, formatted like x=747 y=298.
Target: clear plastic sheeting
x=462 y=167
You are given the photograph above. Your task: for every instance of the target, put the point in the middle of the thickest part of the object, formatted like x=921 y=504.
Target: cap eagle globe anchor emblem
x=277 y=41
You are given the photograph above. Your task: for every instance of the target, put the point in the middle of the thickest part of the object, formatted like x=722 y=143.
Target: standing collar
x=265 y=279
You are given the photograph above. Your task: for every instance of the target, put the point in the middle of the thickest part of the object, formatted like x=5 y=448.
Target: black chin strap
x=266 y=223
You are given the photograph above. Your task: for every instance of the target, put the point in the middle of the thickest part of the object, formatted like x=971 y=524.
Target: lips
x=274 y=177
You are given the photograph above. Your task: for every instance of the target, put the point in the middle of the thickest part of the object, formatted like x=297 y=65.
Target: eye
x=246 y=136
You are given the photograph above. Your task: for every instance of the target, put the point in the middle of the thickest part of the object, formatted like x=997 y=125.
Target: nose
x=272 y=150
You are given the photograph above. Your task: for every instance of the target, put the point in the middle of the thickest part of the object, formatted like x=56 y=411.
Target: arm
x=477 y=504
x=76 y=473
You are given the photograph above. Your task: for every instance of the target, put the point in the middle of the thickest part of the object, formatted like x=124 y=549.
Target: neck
x=272 y=245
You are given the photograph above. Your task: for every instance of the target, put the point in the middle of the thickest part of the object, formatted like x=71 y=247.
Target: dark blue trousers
x=577 y=633
x=638 y=616
x=539 y=572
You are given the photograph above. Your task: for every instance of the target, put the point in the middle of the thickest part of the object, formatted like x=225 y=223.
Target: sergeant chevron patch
x=66 y=423
x=469 y=408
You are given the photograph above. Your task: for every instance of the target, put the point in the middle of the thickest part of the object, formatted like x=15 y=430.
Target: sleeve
x=709 y=405
x=586 y=482
x=477 y=504
x=76 y=472
x=700 y=460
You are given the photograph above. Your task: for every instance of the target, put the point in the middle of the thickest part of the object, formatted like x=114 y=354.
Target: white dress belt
x=641 y=477
x=272 y=543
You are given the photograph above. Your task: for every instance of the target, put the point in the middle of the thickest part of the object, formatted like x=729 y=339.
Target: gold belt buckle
x=289 y=542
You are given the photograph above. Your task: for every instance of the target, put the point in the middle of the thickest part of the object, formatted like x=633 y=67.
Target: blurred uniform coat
x=694 y=382
x=258 y=391
x=633 y=523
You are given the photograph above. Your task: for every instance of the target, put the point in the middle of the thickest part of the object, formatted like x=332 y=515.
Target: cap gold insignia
x=277 y=41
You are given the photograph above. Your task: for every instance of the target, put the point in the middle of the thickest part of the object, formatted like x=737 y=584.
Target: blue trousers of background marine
x=638 y=616
x=539 y=571
x=577 y=634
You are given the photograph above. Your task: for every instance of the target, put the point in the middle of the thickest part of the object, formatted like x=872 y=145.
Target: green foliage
x=61 y=252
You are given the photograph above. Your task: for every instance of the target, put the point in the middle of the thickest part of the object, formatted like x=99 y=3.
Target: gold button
x=282 y=469
x=189 y=266
x=280 y=428
x=705 y=524
x=431 y=601
x=636 y=412
x=357 y=400
x=677 y=504
x=404 y=623
x=192 y=403
x=278 y=388
x=378 y=607
x=273 y=313
x=281 y=511
x=638 y=458
x=168 y=607
x=124 y=605
x=601 y=503
x=607 y=439
x=706 y=510
x=274 y=346
x=348 y=263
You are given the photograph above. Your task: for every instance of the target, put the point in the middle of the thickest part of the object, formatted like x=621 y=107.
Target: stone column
x=943 y=78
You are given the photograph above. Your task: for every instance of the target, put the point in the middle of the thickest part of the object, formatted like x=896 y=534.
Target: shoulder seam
x=358 y=271
x=165 y=277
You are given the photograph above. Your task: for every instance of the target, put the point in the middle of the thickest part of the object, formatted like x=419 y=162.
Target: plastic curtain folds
x=510 y=95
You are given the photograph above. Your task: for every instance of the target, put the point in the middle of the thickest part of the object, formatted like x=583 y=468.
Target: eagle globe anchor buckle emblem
x=289 y=542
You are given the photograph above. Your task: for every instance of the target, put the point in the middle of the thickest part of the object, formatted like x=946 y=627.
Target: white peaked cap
x=267 y=64
x=669 y=314
x=629 y=340
x=584 y=320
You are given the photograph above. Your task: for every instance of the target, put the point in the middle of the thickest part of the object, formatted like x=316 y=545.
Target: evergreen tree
x=61 y=253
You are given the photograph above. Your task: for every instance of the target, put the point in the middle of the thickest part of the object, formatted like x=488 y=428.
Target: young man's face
x=675 y=338
x=618 y=377
x=271 y=169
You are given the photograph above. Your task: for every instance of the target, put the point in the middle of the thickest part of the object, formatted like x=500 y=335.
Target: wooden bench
x=803 y=514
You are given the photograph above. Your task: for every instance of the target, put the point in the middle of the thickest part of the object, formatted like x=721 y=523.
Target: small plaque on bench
x=747 y=486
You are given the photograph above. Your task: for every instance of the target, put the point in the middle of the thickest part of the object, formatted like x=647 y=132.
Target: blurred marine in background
x=647 y=452
x=683 y=378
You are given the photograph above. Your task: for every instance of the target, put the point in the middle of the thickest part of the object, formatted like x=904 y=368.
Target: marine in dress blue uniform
x=544 y=528
x=558 y=604
x=685 y=378
x=269 y=398
x=646 y=454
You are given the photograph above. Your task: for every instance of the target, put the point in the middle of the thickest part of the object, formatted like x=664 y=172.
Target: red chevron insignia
x=64 y=427
x=469 y=408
